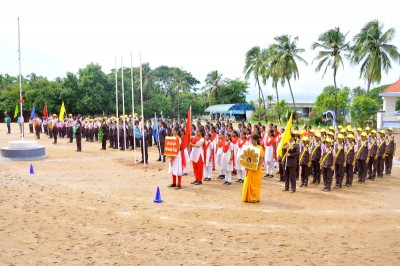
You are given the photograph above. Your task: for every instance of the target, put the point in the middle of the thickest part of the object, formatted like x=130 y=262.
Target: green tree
x=333 y=47
x=326 y=101
x=286 y=67
x=213 y=84
x=234 y=92
x=362 y=109
x=372 y=49
x=254 y=66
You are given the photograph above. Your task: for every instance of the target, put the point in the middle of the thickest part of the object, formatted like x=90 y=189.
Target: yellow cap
x=331 y=133
x=382 y=131
x=317 y=135
x=302 y=132
x=368 y=128
x=363 y=134
x=312 y=131
x=328 y=140
x=350 y=130
x=323 y=130
x=343 y=131
x=339 y=127
x=340 y=136
x=54 y=115
x=348 y=127
x=373 y=131
x=359 y=129
x=390 y=129
x=331 y=128
x=304 y=138
x=350 y=136
x=70 y=115
x=296 y=132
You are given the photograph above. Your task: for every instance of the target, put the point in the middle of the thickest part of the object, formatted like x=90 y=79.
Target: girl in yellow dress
x=252 y=183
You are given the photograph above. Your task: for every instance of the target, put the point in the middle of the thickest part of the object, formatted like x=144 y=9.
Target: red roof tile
x=395 y=87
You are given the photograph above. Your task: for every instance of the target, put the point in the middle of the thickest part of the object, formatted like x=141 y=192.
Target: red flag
x=188 y=130
x=45 y=110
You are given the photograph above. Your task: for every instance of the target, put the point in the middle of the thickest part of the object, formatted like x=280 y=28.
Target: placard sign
x=250 y=158
x=171 y=146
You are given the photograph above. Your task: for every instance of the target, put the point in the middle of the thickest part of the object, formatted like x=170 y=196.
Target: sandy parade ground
x=96 y=207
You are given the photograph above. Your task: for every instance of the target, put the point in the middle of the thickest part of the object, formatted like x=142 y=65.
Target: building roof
x=236 y=108
x=395 y=87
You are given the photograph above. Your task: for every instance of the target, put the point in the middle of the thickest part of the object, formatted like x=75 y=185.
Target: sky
x=60 y=36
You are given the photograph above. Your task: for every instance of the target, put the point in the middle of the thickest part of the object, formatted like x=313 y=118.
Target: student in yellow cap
x=327 y=165
x=304 y=160
x=349 y=152
x=362 y=157
x=380 y=155
x=390 y=150
x=372 y=154
x=291 y=157
x=315 y=158
x=339 y=156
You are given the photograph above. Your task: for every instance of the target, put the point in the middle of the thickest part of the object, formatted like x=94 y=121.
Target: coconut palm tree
x=286 y=68
x=333 y=46
x=254 y=64
x=372 y=50
x=213 y=82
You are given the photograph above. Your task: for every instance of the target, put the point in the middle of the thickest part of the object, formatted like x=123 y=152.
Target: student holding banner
x=175 y=162
x=252 y=183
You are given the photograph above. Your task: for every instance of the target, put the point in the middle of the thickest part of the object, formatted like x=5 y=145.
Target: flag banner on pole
x=62 y=112
x=33 y=111
x=155 y=128
x=101 y=135
x=286 y=135
x=188 y=130
x=45 y=110
x=16 y=111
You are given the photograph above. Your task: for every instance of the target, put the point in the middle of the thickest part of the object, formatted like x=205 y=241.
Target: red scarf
x=226 y=146
x=271 y=141
x=248 y=138
x=205 y=146
x=196 y=139
x=235 y=140
x=221 y=143
x=241 y=143
x=213 y=136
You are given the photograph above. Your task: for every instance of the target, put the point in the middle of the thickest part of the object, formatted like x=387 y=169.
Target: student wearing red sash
x=221 y=142
x=241 y=171
x=197 y=157
x=176 y=163
x=270 y=150
x=208 y=155
x=227 y=160
x=234 y=139
x=214 y=140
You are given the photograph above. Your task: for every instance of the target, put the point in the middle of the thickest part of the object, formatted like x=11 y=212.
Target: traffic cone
x=158 y=196
x=31 y=170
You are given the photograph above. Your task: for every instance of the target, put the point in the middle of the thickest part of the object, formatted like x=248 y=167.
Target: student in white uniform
x=209 y=155
x=227 y=160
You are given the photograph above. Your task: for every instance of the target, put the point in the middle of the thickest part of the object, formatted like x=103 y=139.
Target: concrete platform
x=23 y=151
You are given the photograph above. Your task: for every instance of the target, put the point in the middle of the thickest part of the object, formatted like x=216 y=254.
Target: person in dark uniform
x=144 y=146
x=104 y=128
x=161 y=139
x=55 y=128
x=291 y=158
x=150 y=134
x=304 y=160
x=362 y=157
x=372 y=162
x=349 y=149
x=339 y=154
x=390 y=150
x=327 y=164
x=78 y=136
x=380 y=155
x=315 y=157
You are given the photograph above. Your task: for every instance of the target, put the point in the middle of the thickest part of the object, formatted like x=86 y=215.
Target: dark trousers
x=349 y=174
x=78 y=143
x=50 y=133
x=327 y=176
x=145 y=152
x=362 y=170
x=104 y=141
x=71 y=134
x=96 y=134
x=290 y=175
x=30 y=128
x=371 y=168
x=8 y=128
x=380 y=163
x=388 y=164
x=281 y=171
x=339 y=174
x=46 y=130
x=316 y=169
x=37 y=130
x=304 y=174
x=55 y=133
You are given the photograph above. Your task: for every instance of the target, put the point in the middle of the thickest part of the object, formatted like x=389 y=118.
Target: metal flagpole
x=141 y=102
x=133 y=113
x=20 y=85
x=123 y=103
x=116 y=100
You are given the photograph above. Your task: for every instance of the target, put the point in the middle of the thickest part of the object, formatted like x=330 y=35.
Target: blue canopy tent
x=236 y=110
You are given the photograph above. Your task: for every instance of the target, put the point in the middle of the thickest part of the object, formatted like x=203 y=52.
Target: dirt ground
x=96 y=207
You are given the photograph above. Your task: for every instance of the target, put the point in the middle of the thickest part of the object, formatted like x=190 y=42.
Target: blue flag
x=155 y=128
x=33 y=111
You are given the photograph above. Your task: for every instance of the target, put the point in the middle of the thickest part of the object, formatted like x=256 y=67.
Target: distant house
x=388 y=116
x=235 y=112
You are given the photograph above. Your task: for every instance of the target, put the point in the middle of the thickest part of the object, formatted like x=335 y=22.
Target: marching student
x=373 y=151
x=390 y=150
x=338 y=152
x=219 y=147
x=327 y=163
x=208 y=155
x=175 y=167
x=227 y=159
x=362 y=157
x=304 y=160
x=315 y=157
x=350 y=159
x=270 y=150
x=78 y=135
x=291 y=158
x=380 y=155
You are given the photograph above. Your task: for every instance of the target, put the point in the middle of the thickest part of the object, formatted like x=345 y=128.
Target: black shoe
x=172 y=185
x=141 y=161
x=159 y=160
x=228 y=183
x=326 y=190
x=292 y=191
x=267 y=175
x=225 y=183
x=178 y=187
x=185 y=174
x=271 y=176
x=194 y=182
x=241 y=181
x=285 y=189
x=238 y=180
x=301 y=185
x=198 y=183
x=348 y=185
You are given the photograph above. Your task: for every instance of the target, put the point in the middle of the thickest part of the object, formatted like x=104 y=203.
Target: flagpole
x=123 y=103
x=116 y=100
x=133 y=113
x=141 y=102
x=20 y=84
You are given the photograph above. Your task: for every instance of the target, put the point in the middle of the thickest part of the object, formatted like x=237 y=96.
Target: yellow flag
x=16 y=111
x=286 y=136
x=62 y=112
